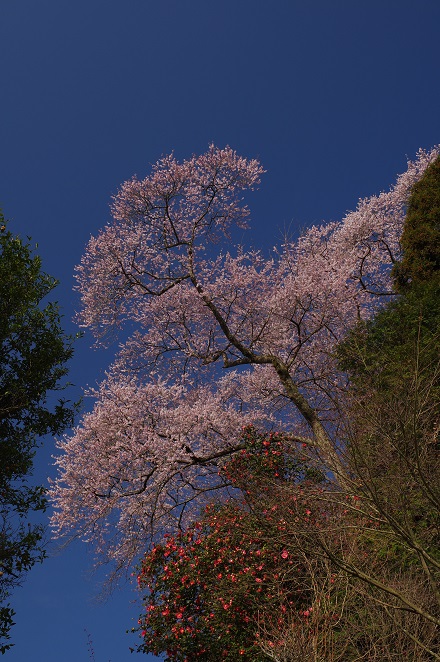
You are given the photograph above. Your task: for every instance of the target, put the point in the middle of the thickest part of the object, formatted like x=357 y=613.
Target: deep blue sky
x=331 y=95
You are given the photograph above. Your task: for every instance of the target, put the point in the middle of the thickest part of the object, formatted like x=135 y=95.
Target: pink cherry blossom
x=221 y=338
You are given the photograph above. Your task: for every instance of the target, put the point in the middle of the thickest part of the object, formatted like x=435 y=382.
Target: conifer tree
x=34 y=352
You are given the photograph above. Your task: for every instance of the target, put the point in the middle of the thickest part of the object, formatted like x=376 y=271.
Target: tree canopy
x=148 y=453
x=421 y=232
x=34 y=352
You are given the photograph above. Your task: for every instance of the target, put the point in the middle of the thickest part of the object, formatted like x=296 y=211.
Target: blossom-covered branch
x=165 y=413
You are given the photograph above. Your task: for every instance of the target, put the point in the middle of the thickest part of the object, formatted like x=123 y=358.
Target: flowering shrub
x=208 y=587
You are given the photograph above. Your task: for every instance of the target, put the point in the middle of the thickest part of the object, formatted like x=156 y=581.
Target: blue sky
x=330 y=95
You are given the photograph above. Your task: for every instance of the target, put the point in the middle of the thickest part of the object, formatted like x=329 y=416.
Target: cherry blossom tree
x=218 y=338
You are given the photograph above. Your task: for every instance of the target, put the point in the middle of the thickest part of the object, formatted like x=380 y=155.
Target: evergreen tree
x=33 y=354
x=394 y=451
x=421 y=233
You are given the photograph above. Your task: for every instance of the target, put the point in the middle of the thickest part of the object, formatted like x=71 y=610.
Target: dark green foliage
x=421 y=235
x=33 y=354
x=394 y=429
x=405 y=336
x=384 y=349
